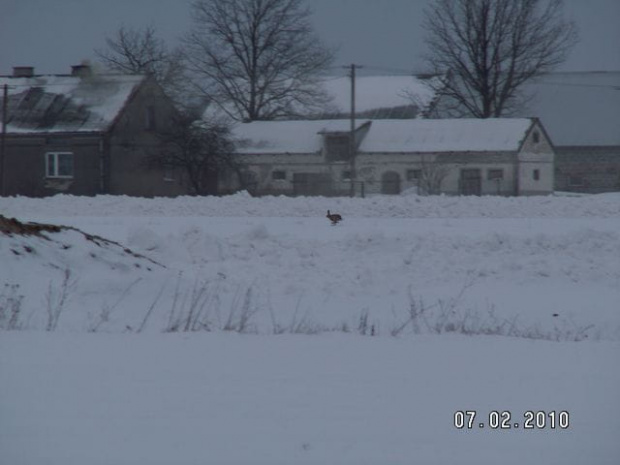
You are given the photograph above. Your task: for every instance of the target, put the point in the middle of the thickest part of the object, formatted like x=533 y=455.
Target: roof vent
x=23 y=71
x=81 y=70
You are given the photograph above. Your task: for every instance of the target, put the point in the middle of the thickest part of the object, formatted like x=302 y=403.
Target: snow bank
x=370 y=385
x=549 y=262
x=242 y=204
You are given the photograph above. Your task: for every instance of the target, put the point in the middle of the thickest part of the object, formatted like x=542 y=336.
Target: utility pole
x=352 y=146
x=5 y=94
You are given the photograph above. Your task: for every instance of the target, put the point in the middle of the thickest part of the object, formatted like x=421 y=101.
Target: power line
x=405 y=72
x=568 y=84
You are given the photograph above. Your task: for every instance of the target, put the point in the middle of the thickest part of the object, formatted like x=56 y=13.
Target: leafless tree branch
x=492 y=47
x=256 y=59
x=202 y=150
x=141 y=51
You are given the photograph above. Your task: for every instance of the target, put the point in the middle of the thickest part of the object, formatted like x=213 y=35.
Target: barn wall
x=536 y=159
x=527 y=171
x=587 y=169
x=372 y=169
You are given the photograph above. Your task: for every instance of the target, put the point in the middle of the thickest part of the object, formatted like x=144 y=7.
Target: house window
x=536 y=137
x=346 y=175
x=536 y=175
x=414 y=175
x=59 y=165
x=149 y=118
x=495 y=174
x=278 y=175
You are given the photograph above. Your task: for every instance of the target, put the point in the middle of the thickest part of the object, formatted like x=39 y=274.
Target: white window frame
x=52 y=165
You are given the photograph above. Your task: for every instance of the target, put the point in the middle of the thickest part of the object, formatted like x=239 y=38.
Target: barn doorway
x=471 y=181
x=309 y=184
x=390 y=183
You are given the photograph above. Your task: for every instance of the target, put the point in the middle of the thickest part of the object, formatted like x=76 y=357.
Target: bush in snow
x=10 y=307
x=56 y=299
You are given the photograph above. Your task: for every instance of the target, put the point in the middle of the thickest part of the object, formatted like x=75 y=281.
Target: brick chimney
x=23 y=71
x=81 y=71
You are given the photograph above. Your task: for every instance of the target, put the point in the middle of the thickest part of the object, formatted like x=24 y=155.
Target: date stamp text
x=505 y=420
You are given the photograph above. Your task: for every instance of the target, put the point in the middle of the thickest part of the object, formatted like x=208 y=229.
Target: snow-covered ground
x=364 y=338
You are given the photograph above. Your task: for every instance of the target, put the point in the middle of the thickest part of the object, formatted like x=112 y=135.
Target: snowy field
x=238 y=330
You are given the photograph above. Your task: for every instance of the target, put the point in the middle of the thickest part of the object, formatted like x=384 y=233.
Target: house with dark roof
x=581 y=111
x=452 y=156
x=83 y=134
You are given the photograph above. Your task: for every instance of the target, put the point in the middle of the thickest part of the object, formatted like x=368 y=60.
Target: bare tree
x=492 y=47
x=141 y=51
x=256 y=59
x=202 y=150
x=432 y=176
x=135 y=51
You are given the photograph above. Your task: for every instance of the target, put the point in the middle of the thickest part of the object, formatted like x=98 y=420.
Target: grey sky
x=383 y=35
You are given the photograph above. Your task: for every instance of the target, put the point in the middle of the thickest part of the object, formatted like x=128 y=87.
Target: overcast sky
x=383 y=35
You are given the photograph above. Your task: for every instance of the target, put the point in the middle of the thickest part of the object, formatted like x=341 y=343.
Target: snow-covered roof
x=380 y=92
x=386 y=136
x=284 y=136
x=375 y=97
x=63 y=103
x=577 y=108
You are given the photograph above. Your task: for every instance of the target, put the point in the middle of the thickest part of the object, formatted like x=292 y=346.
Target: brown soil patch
x=14 y=226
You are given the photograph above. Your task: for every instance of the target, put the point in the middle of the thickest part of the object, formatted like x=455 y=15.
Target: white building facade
x=454 y=157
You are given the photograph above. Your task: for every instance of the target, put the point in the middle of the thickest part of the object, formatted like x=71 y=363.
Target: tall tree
x=492 y=47
x=142 y=51
x=256 y=59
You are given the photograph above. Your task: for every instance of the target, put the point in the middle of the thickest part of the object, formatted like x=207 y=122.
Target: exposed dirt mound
x=14 y=226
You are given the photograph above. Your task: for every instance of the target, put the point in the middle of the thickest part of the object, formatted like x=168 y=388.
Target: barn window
x=59 y=165
x=536 y=175
x=345 y=175
x=495 y=174
x=536 y=137
x=414 y=175
x=278 y=175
